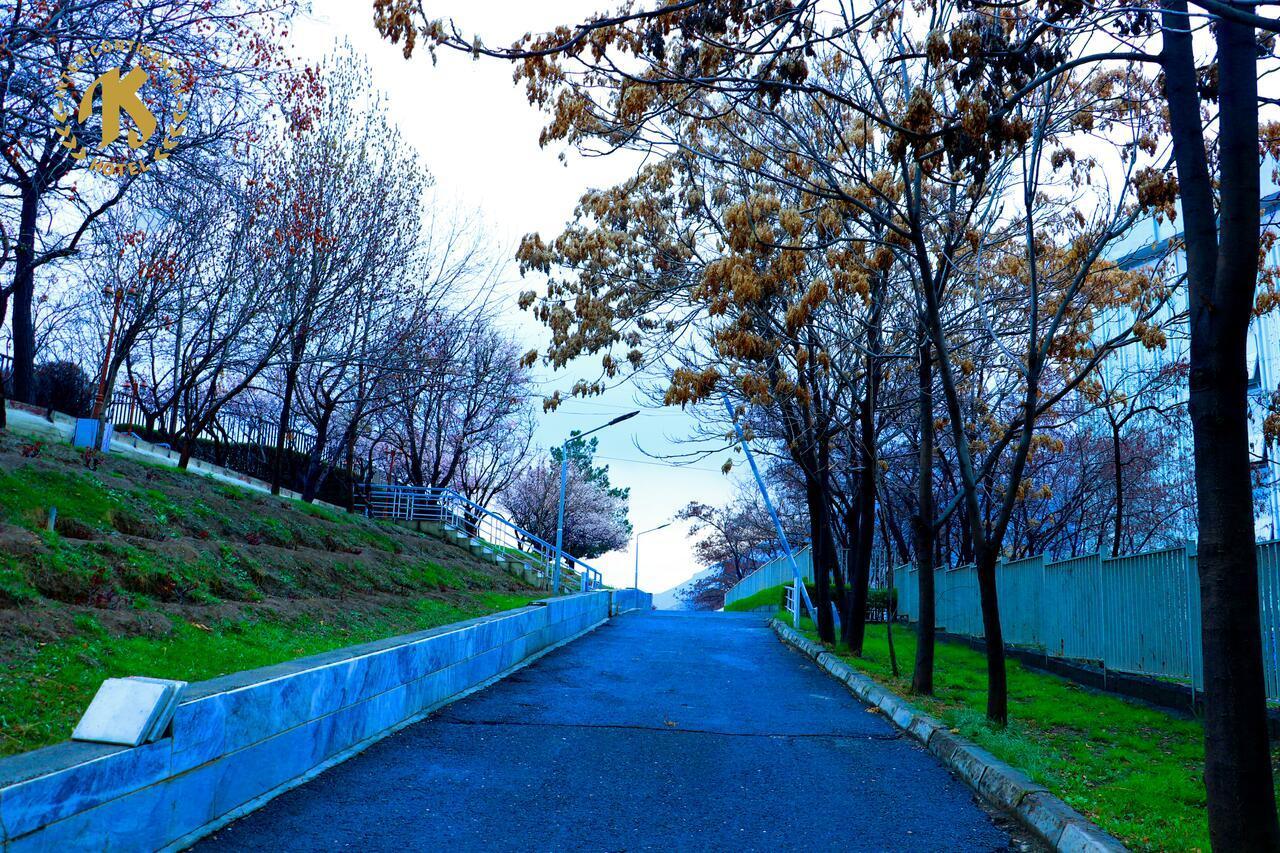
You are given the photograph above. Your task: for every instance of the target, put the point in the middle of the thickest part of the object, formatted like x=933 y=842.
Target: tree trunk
x=108 y=386
x=4 y=415
x=888 y=627
x=926 y=626
x=1222 y=280
x=317 y=470
x=844 y=596
x=286 y=412
x=860 y=571
x=997 y=683
x=823 y=552
x=188 y=447
x=313 y=478
x=1237 y=775
x=24 y=287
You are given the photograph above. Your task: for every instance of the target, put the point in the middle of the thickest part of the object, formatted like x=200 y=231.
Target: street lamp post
x=564 y=482
x=117 y=295
x=636 y=584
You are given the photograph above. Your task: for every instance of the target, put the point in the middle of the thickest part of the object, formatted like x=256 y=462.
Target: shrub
x=879 y=598
x=64 y=387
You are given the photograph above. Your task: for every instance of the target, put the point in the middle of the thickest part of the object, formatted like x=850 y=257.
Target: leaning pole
x=773 y=514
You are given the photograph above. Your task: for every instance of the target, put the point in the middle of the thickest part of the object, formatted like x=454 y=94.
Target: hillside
x=153 y=571
x=673 y=599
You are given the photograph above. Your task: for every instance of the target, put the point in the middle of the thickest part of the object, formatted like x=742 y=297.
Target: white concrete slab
x=129 y=711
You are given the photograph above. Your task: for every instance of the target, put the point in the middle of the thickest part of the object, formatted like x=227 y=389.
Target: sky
x=478 y=135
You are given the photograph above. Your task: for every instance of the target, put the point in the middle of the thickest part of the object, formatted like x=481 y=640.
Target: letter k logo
x=120 y=94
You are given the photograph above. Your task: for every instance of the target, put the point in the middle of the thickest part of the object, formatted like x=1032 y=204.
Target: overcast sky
x=479 y=136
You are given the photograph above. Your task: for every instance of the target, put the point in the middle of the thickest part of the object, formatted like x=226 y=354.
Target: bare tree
x=44 y=183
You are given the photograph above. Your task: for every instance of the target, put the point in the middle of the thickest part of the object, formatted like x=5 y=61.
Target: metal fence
x=778 y=571
x=455 y=513
x=1135 y=613
x=773 y=573
x=126 y=409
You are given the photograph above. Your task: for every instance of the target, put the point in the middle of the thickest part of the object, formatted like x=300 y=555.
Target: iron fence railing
x=455 y=513
x=125 y=409
x=1135 y=613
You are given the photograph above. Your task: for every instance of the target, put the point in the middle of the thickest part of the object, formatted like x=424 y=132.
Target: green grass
x=1135 y=771
x=515 y=553
x=152 y=572
x=43 y=694
x=26 y=494
x=765 y=597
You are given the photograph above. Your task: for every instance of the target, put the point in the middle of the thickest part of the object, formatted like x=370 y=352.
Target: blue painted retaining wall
x=630 y=599
x=238 y=740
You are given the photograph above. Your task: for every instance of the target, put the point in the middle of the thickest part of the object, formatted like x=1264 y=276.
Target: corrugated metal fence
x=773 y=573
x=1136 y=613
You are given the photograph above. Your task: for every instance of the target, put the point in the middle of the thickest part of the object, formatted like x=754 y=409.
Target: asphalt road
x=657 y=731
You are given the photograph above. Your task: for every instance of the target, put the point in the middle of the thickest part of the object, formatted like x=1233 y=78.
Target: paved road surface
x=658 y=731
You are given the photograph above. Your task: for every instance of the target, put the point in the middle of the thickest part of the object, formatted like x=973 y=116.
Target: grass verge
x=43 y=694
x=1136 y=771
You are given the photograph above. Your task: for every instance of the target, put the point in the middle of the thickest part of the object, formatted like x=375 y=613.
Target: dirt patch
x=18 y=543
x=73 y=529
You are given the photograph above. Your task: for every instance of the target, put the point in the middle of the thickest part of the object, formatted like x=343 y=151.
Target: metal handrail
x=791 y=604
x=444 y=506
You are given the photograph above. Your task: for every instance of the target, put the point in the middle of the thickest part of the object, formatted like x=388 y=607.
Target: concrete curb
x=1053 y=821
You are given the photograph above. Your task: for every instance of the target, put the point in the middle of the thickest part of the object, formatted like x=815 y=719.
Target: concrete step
x=485 y=551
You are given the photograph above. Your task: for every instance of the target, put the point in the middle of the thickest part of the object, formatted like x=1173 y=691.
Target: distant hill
x=671 y=599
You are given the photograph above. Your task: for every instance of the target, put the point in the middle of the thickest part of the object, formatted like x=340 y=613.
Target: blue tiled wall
x=246 y=736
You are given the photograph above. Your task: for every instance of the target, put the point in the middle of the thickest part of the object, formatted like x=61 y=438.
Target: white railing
x=791 y=604
x=481 y=526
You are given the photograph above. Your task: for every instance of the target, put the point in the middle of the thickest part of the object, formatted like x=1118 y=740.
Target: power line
x=675 y=465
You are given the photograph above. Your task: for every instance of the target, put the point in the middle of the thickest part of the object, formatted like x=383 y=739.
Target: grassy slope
x=765 y=597
x=151 y=571
x=1134 y=770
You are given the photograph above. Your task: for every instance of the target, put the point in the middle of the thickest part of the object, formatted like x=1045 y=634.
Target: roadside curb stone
x=1062 y=827
x=971 y=762
x=1049 y=815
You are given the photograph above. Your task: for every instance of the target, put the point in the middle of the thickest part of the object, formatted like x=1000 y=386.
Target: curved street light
x=564 y=481
x=636 y=584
